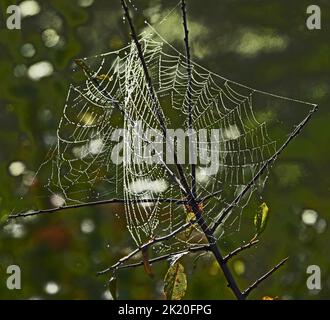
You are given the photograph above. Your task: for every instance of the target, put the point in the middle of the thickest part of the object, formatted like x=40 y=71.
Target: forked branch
x=146 y=246
x=182 y=178
x=204 y=248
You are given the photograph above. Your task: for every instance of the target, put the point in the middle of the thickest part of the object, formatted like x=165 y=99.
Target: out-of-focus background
x=264 y=44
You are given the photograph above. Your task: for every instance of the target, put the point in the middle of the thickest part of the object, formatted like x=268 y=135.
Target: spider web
x=252 y=126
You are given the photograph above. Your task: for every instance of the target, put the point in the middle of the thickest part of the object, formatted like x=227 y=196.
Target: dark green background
x=238 y=39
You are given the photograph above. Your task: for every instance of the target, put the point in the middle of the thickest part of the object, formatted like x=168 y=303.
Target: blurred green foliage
x=264 y=44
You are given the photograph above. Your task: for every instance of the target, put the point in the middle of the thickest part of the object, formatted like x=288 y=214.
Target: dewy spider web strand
x=252 y=126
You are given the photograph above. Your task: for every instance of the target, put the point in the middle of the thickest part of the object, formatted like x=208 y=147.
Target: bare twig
x=156 y=109
x=204 y=248
x=94 y=203
x=263 y=278
x=146 y=246
x=211 y=195
x=189 y=97
x=239 y=250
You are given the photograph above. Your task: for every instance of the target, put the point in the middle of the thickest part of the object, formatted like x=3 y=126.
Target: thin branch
x=239 y=250
x=263 y=278
x=211 y=195
x=189 y=96
x=94 y=203
x=262 y=169
x=158 y=111
x=168 y=256
x=146 y=246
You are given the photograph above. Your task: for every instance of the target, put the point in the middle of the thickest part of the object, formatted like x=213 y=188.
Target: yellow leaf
x=175 y=282
x=270 y=298
x=260 y=219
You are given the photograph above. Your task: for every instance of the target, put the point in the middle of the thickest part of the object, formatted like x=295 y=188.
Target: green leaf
x=175 y=282
x=3 y=218
x=260 y=219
